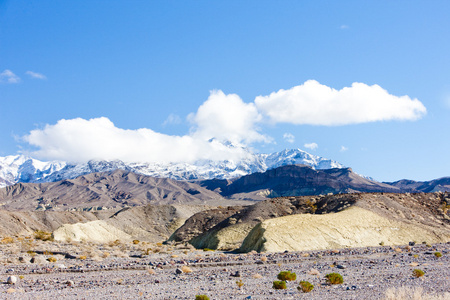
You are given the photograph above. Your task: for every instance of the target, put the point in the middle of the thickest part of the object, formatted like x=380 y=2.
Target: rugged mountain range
x=296 y=180
x=436 y=185
x=108 y=190
x=19 y=168
x=118 y=189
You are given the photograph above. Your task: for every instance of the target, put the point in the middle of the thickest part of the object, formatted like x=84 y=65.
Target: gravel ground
x=368 y=273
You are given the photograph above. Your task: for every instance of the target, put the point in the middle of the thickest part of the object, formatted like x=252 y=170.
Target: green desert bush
x=279 y=285
x=438 y=254
x=334 y=278
x=305 y=286
x=287 y=276
x=418 y=273
x=201 y=297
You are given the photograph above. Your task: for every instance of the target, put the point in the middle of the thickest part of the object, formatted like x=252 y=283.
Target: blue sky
x=84 y=78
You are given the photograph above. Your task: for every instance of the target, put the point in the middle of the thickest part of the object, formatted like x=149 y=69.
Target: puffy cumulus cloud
x=79 y=140
x=316 y=104
x=222 y=117
x=289 y=137
x=7 y=76
x=36 y=75
x=227 y=117
x=312 y=146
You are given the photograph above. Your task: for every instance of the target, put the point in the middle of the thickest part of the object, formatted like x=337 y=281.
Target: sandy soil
x=127 y=273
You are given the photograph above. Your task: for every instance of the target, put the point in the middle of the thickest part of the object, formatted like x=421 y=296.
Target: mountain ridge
x=21 y=168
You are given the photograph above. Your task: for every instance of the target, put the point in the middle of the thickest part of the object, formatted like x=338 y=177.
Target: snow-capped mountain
x=21 y=168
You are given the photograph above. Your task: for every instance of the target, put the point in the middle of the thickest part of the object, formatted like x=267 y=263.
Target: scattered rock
x=70 y=283
x=38 y=259
x=237 y=274
x=11 y=280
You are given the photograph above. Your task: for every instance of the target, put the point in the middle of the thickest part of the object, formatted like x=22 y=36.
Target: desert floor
x=155 y=271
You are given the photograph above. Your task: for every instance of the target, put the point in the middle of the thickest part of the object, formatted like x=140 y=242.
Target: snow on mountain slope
x=21 y=168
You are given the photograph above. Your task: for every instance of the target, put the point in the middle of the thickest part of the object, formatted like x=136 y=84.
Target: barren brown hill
x=436 y=185
x=115 y=189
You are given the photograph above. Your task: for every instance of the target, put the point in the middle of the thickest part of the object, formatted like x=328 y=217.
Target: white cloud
x=312 y=146
x=172 y=119
x=227 y=117
x=79 y=140
x=220 y=118
x=316 y=104
x=343 y=149
x=344 y=27
x=7 y=76
x=36 y=75
x=289 y=137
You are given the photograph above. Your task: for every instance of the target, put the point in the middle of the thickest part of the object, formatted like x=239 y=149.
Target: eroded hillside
x=428 y=213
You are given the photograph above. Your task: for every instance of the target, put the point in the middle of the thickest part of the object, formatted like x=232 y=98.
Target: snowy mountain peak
x=21 y=168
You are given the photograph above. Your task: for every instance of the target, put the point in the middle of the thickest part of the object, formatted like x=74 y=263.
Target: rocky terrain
x=37 y=269
x=122 y=235
x=296 y=180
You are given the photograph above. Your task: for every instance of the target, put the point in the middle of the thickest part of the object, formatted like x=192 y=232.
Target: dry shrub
x=115 y=243
x=398 y=250
x=105 y=254
x=239 y=283
x=186 y=269
x=52 y=259
x=418 y=273
x=7 y=240
x=151 y=271
x=257 y=276
x=305 y=254
x=415 y=293
x=43 y=235
x=264 y=258
x=413 y=264
x=174 y=256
